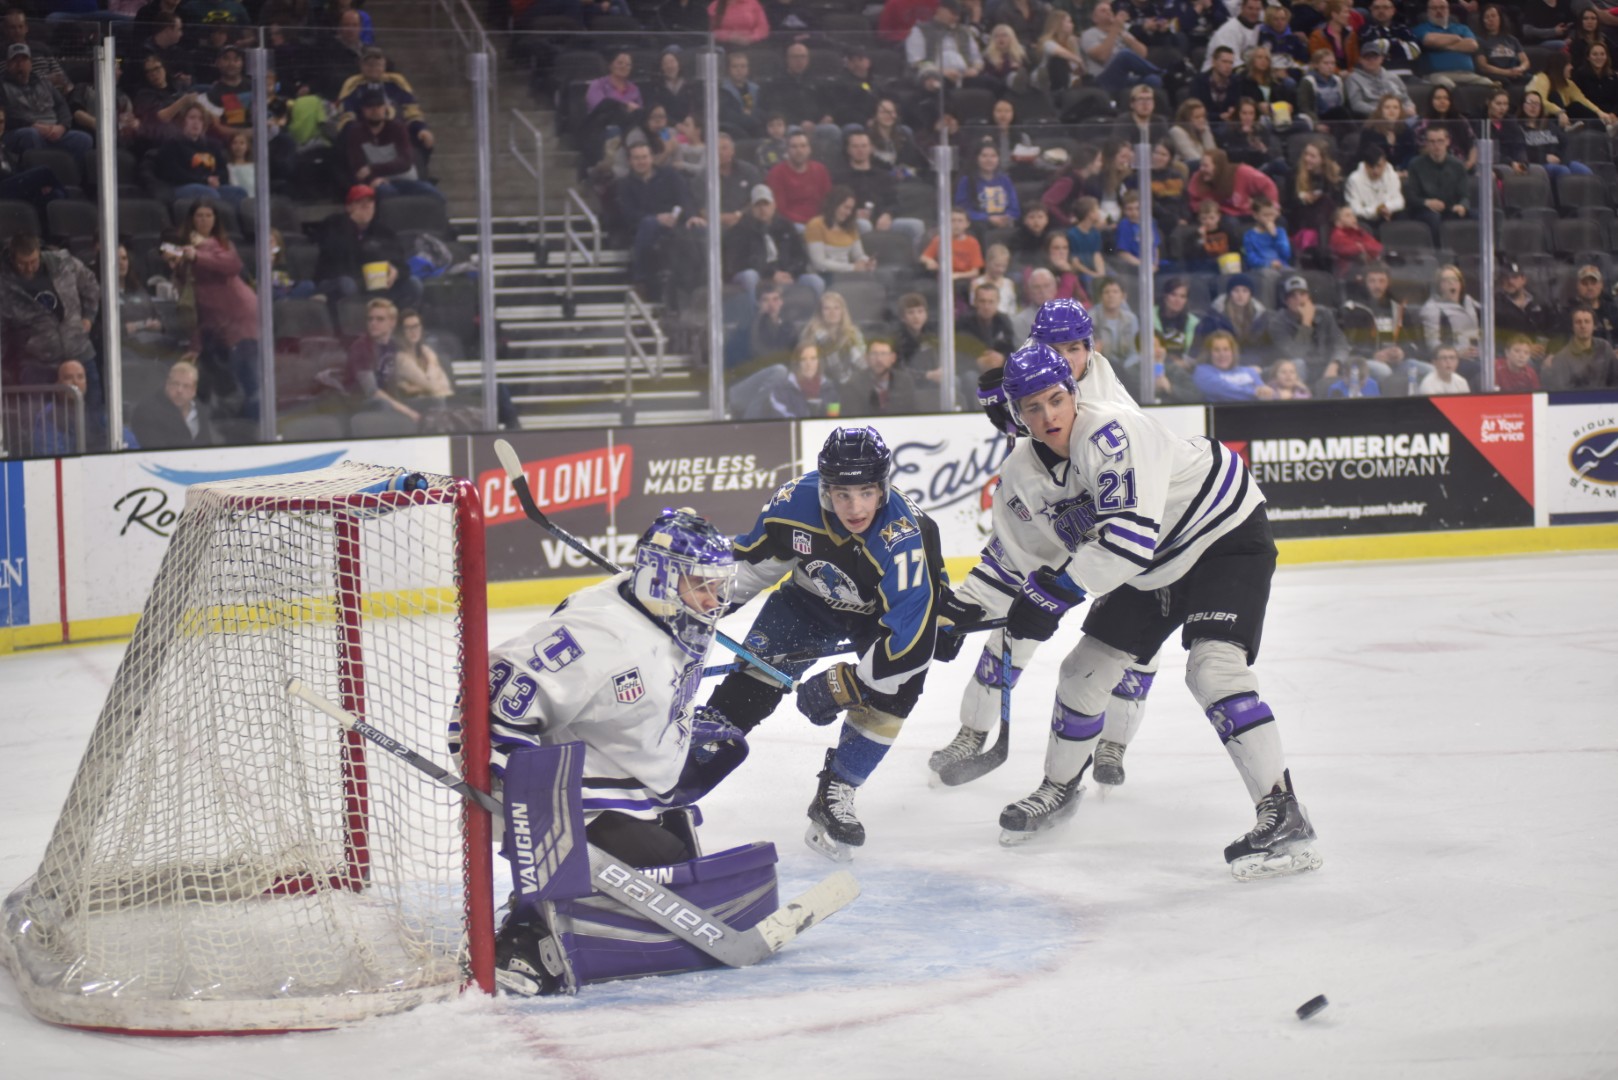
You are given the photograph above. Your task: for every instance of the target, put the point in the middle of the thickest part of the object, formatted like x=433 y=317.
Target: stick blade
x=815 y=905
x=969 y=769
x=509 y=460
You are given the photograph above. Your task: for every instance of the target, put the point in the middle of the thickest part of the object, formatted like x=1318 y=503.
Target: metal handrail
x=574 y=241
x=44 y=420
x=634 y=350
x=535 y=168
x=466 y=24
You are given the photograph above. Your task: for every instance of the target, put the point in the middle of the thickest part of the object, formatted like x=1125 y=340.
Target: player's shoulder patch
x=556 y=651
x=802 y=542
x=628 y=687
x=897 y=531
x=783 y=494
x=1020 y=508
x=1111 y=440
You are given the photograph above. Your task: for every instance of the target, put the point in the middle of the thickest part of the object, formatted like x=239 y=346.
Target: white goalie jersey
x=601 y=671
x=1134 y=503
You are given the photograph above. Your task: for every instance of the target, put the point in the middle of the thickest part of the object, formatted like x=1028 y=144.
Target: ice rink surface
x=1452 y=729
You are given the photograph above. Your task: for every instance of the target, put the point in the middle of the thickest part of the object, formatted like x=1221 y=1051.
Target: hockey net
x=229 y=859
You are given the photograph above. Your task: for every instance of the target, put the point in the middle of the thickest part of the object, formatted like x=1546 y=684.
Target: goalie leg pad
x=545 y=838
x=604 y=940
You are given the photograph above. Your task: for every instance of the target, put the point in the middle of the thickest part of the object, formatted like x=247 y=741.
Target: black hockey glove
x=992 y=399
x=1046 y=595
x=952 y=612
x=821 y=697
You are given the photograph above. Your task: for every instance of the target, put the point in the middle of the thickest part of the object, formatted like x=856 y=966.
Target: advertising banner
x=1577 y=458
x=13 y=546
x=1398 y=465
x=606 y=486
x=121 y=509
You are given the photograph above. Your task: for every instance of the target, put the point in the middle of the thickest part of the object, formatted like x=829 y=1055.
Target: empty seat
x=415 y=213
x=18 y=219
x=315 y=428
x=296 y=319
x=1402 y=237
x=1523 y=238
x=1529 y=189
x=1574 y=191
x=142 y=219
x=892 y=249
x=69 y=218
x=1461 y=236
x=63 y=164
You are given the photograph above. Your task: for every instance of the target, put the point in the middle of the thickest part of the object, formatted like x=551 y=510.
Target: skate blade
x=1298 y=860
x=1012 y=838
x=515 y=984
x=823 y=844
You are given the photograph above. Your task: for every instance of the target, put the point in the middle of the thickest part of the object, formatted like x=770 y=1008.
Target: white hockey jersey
x=1101 y=383
x=1134 y=504
x=601 y=671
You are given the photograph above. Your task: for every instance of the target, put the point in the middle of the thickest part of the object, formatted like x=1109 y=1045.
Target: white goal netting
x=230 y=859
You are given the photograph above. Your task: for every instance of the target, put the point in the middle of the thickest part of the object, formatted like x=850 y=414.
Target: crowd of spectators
x=349 y=137
x=1314 y=185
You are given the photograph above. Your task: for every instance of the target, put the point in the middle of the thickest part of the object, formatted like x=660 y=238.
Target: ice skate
x=1050 y=804
x=1281 y=843
x=528 y=960
x=1109 y=764
x=966 y=745
x=834 y=831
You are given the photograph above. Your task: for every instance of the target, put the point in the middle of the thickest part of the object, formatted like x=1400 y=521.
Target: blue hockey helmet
x=684 y=544
x=1032 y=369
x=1060 y=321
x=853 y=456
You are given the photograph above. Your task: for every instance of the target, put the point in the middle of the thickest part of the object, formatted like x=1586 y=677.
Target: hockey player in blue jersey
x=866 y=566
x=1165 y=533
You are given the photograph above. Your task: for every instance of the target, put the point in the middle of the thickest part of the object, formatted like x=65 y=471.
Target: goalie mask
x=684 y=574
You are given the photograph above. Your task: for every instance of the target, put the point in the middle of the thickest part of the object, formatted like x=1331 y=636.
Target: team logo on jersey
x=1111 y=441
x=836 y=588
x=556 y=651
x=801 y=541
x=899 y=530
x=784 y=495
x=628 y=687
x=1072 y=519
x=1019 y=508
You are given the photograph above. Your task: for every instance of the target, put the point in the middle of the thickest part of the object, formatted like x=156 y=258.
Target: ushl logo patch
x=1111 y=441
x=628 y=687
x=1020 y=508
x=801 y=541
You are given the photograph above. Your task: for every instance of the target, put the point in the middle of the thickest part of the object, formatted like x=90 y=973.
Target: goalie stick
x=628 y=886
x=968 y=769
x=837 y=650
x=519 y=483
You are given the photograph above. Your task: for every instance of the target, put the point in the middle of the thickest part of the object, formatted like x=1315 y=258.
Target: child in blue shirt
x=1127 y=243
x=1084 y=240
x=988 y=195
x=1266 y=246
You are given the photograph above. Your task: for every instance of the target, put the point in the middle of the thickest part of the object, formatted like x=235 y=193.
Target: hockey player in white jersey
x=615 y=667
x=1065 y=326
x=1164 y=532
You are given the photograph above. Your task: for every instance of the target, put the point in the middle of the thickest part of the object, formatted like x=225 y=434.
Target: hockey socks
x=1073 y=734
x=862 y=746
x=1246 y=726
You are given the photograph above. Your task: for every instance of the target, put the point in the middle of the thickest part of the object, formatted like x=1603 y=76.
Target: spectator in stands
x=1084 y=241
x=1027 y=241
x=1587 y=31
x=1442 y=113
x=1173 y=325
x=617 y=85
x=1544 y=142
x=737 y=179
x=1232 y=187
x=1302 y=330
x=917 y=347
x=996 y=263
x=1352 y=245
x=881 y=388
x=1547 y=23
x=158 y=103
x=1215 y=237
x=1117 y=174
x=771 y=337
x=167 y=43
x=48 y=302
x=227 y=307
x=1514 y=372
x=838 y=341
x=172 y=416
x=359 y=254
x=1040 y=286
x=800 y=183
x=764 y=246
x=987 y=194
x=14 y=30
x=1500 y=56
x=772 y=149
x=1598 y=80
x=893 y=25
x=683 y=16
x=1192 y=135
x=1322 y=94
x=194 y=163
x=1443 y=378
x=672 y=89
x=1312 y=195
x=966 y=255
x=1237 y=34
x=1216 y=86
x=943 y=42
x=1337 y=35
x=1005 y=61
x=1448 y=48
x=1590 y=292
x=1450 y=317
x=1058 y=55
x=1373 y=321
x=379 y=152
x=1024 y=18
x=1511 y=148
x=1518 y=312
x=1282 y=378
x=833 y=242
x=1285 y=52
x=984 y=335
x=418 y=378
x=1266 y=245
x=852 y=93
x=650 y=201
x=230 y=97
x=739 y=107
x=738 y=22
x=1128 y=249
x=1248 y=140
x=36 y=112
x=893 y=145
x=1586 y=362
x=1237 y=312
x=799 y=393
x=1386 y=25
x=1386 y=128
x=1370 y=82
x=796 y=94
x=1373 y=190
x=1140 y=124
x=875 y=193
x=402 y=104
x=372 y=359
x=332 y=57
x=1117 y=328
x=37 y=185
x=1222 y=377
x=1437 y=187
x=1114 y=57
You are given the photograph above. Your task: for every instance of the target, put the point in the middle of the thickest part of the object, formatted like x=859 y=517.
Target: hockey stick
x=519 y=483
x=634 y=890
x=968 y=769
x=837 y=650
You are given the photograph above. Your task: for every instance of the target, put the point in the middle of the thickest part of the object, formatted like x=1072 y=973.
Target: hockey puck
x=1312 y=1006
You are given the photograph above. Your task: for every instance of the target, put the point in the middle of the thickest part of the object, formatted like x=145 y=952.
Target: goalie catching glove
x=1045 y=597
x=952 y=612
x=711 y=732
x=825 y=695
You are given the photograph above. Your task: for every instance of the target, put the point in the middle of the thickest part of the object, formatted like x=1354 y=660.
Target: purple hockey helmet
x=1060 y=321
x=1034 y=368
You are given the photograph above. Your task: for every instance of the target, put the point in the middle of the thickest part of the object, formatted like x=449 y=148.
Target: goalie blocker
x=571 y=925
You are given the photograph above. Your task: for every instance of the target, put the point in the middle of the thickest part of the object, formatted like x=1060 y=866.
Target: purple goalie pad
x=1237 y=714
x=605 y=940
x=1072 y=725
x=1135 y=685
x=988 y=672
x=544 y=838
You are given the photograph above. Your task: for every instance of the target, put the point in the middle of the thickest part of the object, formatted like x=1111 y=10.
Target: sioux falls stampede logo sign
x=835 y=587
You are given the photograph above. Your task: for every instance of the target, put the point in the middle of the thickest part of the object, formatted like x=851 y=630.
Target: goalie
x=612 y=672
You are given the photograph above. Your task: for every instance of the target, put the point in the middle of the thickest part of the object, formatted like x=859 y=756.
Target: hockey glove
x=952 y=612
x=709 y=732
x=992 y=400
x=1046 y=595
x=825 y=695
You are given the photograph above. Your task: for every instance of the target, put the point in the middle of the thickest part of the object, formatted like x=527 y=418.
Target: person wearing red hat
x=354 y=242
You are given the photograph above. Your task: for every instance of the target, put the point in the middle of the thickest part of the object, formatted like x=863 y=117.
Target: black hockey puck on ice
x=1312 y=1006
